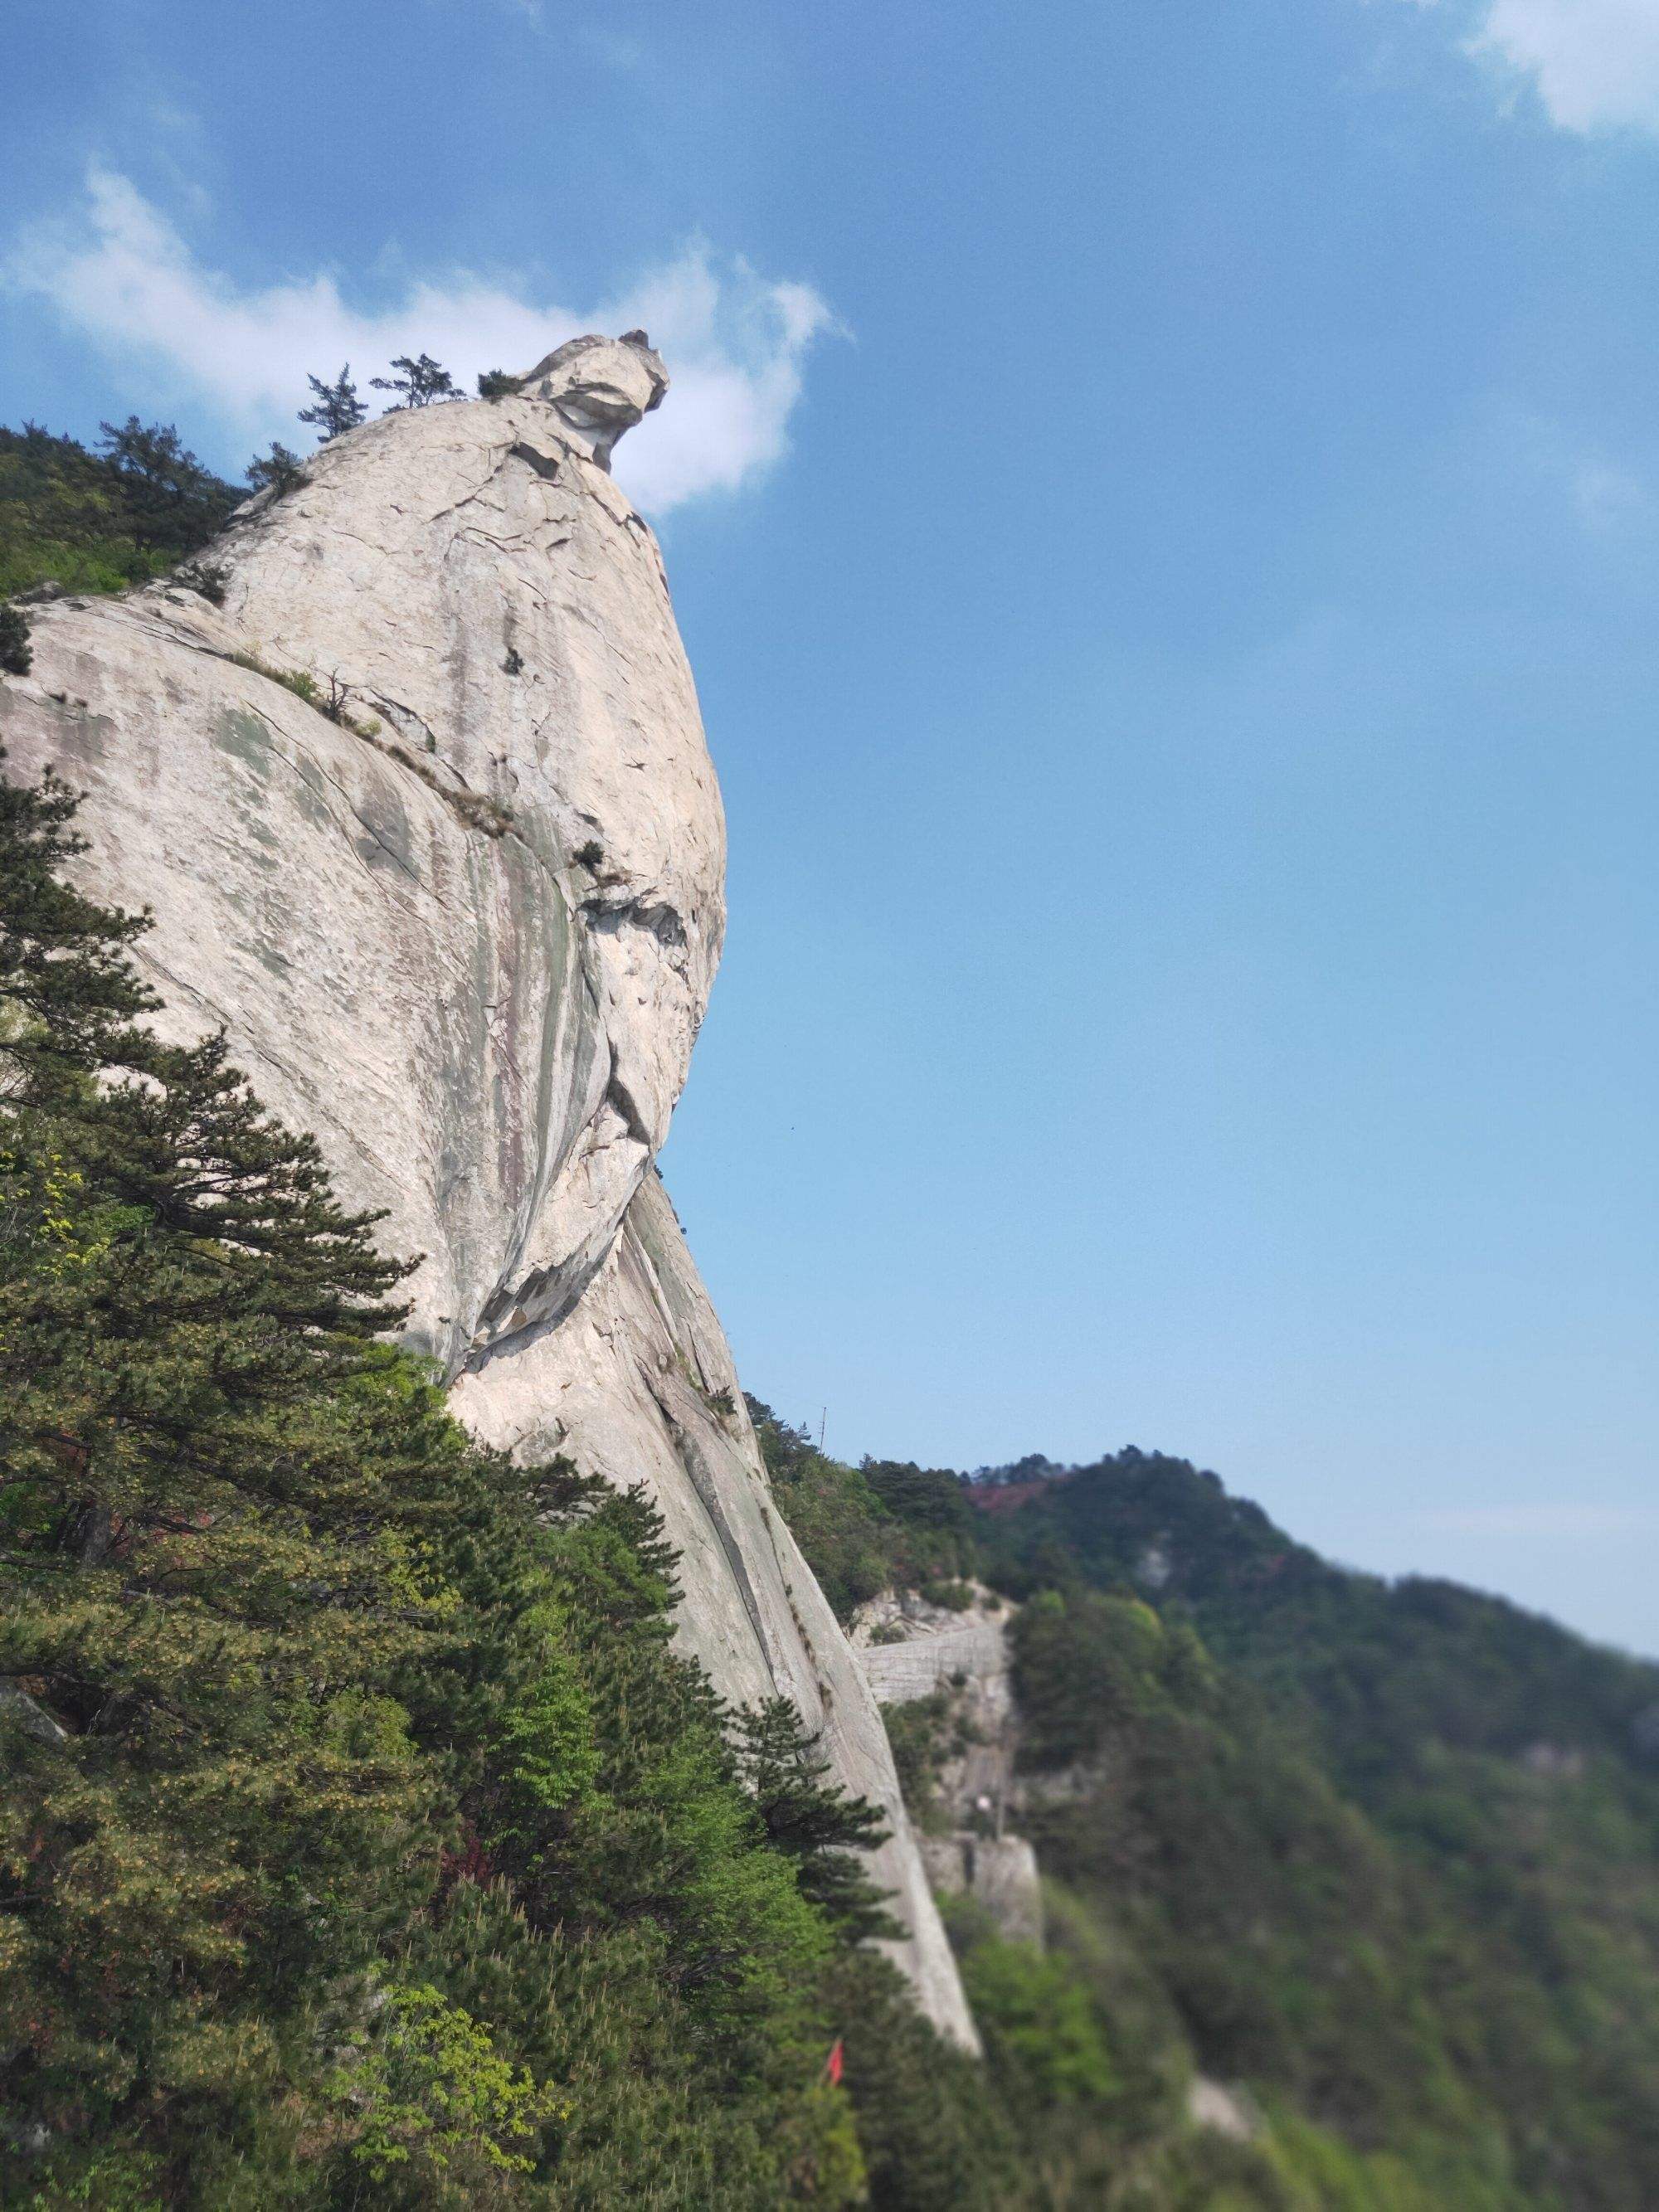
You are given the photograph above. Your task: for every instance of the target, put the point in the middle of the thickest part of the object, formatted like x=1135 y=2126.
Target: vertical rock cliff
x=426 y=820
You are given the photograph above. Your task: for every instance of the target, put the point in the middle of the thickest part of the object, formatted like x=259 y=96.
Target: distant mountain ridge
x=1272 y=1605
x=1380 y=1859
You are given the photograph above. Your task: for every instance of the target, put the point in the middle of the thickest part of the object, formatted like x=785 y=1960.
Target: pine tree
x=278 y=471
x=170 y=498
x=496 y=383
x=422 y=381
x=16 y=654
x=821 y=1829
x=360 y=1819
x=70 y=995
x=211 y=1516
x=338 y=407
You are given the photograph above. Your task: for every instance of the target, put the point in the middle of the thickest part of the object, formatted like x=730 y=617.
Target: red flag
x=832 y=2064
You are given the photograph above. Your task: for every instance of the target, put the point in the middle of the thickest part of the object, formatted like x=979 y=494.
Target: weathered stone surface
x=911 y=1649
x=1227 y=2111
x=464 y=929
x=917 y=1668
x=28 y=1714
x=639 y=1384
x=600 y=387
x=1000 y=1873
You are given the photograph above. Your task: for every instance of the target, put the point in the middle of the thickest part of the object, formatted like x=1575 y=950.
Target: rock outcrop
x=911 y=1648
x=426 y=821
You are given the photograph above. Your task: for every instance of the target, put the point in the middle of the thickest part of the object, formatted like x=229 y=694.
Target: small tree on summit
x=338 y=407
x=421 y=381
x=278 y=471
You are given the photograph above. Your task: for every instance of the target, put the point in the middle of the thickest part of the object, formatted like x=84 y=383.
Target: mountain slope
x=1385 y=1855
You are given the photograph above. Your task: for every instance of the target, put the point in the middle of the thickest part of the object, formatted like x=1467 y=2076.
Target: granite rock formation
x=426 y=821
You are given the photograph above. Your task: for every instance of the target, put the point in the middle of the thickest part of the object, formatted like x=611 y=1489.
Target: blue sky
x=1163 y=504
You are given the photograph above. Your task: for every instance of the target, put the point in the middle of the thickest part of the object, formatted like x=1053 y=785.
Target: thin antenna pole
x=822 y=1418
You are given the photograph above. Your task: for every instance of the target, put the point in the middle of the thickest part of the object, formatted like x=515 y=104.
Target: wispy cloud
x=1605 y=495
x=1608 y=497
x=736 y=343
x=1593 y=64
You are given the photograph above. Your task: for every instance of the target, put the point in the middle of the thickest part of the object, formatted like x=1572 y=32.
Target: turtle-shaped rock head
x=600 y=387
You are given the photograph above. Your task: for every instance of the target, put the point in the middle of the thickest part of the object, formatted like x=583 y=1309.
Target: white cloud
x=735 y=342
x=1593 y=63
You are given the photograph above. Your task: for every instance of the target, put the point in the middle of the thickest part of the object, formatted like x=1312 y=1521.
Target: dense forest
x=1384 y=1854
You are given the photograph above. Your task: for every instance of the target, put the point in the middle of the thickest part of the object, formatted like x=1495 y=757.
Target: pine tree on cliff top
x=278 y=471
x=420 y=380
x=171 y=499
x=337 y=407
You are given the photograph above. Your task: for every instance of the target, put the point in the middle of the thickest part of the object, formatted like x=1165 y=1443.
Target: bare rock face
x=427 y=823
x=911 y=1648
x=1000 y=1873
x=600 y=387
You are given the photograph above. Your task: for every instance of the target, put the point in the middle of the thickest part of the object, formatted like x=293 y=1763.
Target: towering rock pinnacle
x=428 y=823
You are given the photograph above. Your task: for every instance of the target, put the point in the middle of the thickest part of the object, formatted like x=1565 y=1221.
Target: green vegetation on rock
x=878 y=1527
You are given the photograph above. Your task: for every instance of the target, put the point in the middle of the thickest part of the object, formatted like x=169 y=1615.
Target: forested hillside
x=1386 y=1856
x=363 y=1840
x=97 y=521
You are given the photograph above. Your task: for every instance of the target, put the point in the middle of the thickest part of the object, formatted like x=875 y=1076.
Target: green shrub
x=208 y=578
x=1045 y=2040
x=920 y=1732
x=863 y=1529
x=426 y=2088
